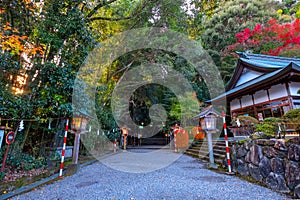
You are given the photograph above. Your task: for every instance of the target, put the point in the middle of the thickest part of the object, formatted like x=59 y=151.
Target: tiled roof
x=249 y=83
x=267 y=58
x=265 y=63
x=209 y=110
x=278 y=64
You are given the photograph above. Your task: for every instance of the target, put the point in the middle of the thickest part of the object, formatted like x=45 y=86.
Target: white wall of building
x=247 y=100
x=277 y=91
x=294 y=87
x=235 y=104
x=247 y=76
x=260 y=96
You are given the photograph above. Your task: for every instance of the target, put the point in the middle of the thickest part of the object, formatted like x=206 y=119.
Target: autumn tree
x=271 y=38
x=230 y=18
x=16 y=50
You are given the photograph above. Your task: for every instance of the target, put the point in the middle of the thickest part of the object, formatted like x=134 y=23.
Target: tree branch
x=110 y=19
x=120 y=70
x=137 y=12
x=100 y=5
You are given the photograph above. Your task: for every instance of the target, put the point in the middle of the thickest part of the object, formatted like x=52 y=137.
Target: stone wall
x=274 y=163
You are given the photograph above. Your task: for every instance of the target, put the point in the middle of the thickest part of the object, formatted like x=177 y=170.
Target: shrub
x=245 y=120
x=267 y=129
x=35 y=163
x=292 y=115
x=20 y=160
x=272 y=120
x=54 y=156
x=248 y=119
x=269 y=126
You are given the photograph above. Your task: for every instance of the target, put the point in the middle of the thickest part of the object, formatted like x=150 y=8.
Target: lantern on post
x=208 y=119
x=78 y=126
x=140 y=134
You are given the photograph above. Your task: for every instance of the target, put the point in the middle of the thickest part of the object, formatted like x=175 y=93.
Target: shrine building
x=263 y=86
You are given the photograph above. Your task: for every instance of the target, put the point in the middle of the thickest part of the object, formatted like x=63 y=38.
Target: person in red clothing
x=176 y=129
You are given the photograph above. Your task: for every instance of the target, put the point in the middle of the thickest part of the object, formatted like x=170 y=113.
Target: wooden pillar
x=290 y=99
x=76 y=148
x=254 y=107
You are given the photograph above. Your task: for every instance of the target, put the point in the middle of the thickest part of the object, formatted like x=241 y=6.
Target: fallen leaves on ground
x=13 y=175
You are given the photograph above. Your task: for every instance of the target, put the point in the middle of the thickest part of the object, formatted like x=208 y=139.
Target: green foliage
x=292 y=115
x=112 y=136
x=2 y=174
x=184 y=108
x=267 y=129
x=151 y=94
x=232 y=17
x=67 y=31
x=273 y=120
x=269 y=126
x=229 y=18
x=247 y=120
x=20 y=160
x=289 y=10
x=54 y=156
x=35 y=163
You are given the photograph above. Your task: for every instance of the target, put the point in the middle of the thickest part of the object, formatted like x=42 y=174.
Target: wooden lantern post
x=78 y=125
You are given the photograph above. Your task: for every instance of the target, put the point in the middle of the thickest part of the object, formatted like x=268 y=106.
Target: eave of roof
x=210 y=110
x=260 y=63
x=265 y=64
x=267 y=58
x=260 y=80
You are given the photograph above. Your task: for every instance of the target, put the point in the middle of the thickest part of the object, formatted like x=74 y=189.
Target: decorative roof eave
x=236 y=75
x=265 y=57
x=209 y=110
x=260 y=63
x=260 y=67
x=242 y=63
x=261 y=82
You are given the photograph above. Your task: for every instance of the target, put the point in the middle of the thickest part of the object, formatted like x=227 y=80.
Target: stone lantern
x=208 y=121
x=78 y=126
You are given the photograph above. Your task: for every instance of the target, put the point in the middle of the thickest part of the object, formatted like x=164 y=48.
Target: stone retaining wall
x=274 y=163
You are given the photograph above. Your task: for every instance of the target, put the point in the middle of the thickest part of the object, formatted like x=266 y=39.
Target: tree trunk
x=59 y=135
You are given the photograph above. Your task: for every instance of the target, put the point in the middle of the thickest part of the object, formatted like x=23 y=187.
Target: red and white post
x=175 y=131
x=175 y=146
x=226 y=142
x=115 y=146
x=63 y=150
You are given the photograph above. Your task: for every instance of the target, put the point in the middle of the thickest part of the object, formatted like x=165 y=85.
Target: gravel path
x=186 y=178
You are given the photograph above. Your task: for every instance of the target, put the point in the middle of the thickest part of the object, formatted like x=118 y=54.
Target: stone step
x=217 y=154
x=205 y=149
x=205 y=158
x=196 y=155
x=219 y=143
x=199 y=149
x=215 y=147
x=205 y=146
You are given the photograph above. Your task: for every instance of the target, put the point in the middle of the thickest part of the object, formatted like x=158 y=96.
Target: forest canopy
x=44 y=43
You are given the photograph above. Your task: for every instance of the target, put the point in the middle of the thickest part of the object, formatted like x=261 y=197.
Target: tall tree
x=46 y=43
x=230 y=18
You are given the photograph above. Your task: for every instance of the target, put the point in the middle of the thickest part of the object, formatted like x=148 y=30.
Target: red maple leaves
x=271 y=38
